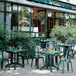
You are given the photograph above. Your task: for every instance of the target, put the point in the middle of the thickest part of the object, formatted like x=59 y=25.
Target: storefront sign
x=55 y=3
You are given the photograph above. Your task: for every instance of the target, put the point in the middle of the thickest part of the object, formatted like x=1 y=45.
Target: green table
x=48 y=61
x=14 y=53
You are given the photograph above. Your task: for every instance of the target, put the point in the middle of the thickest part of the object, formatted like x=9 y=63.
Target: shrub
x=63 y=34
x=21 y=38
x=4 y=37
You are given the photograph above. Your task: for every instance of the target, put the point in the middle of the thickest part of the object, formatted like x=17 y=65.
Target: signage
x=55 y=3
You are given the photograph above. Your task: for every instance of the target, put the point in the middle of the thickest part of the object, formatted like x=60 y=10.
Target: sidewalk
x=32 y=71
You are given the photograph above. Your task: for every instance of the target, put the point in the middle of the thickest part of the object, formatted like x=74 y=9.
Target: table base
x=49 y=64
x=14 y=65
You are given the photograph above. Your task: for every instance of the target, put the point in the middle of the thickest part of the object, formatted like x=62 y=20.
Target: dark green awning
x=45 y=6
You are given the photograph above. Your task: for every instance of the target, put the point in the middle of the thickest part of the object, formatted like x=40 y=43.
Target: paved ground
x=32 y=71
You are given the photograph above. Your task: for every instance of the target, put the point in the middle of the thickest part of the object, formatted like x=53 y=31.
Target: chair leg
x=37 y=63
x=68 y=66
x=43 y=60
x=31 y=62
x=0 y=64
x=63 y=68
x=27 y=60
x=23 y=61
x=71 y=67
x=9 y=65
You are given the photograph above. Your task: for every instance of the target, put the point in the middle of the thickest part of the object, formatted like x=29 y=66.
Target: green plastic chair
x=73 y=43
x=24 y=54
x=2 y=59
x=36 y=56
x=37 y=40
x=67 y=59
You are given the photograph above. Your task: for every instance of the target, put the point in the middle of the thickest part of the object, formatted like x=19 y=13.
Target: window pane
x=1 y=6
x=14 y=8
x=8 y=22
x=59 y=15
x=14 y=21
x=24 y=18
x=8 y=7
x=39 y=20
x=73 y=20
x=2 y=19
x=67 y=19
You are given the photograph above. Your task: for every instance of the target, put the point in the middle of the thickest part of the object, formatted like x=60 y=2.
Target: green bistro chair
x=35 y=55
x=73 y=43
x=37 y=40
x=2 y=59
x=25 y=54
x=67 y=59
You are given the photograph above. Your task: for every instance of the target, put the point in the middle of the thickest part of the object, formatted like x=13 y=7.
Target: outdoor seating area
x=37 y=38
x=48 y=57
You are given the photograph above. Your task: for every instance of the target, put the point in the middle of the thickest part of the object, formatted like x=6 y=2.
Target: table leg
x=2 y=65
x=50 y=62
x=11 y=57
x=14 y=63
x=46 y=63
x=18 y=58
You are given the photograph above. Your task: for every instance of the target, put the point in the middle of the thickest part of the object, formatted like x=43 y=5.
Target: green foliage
x=21 y=38
x=63 y=34
x=41 y=17
x=4 y=36
x=32 y=42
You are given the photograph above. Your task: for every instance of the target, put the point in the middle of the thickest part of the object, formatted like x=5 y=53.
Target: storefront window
x=25 y=18
x=68 y=19
x=8 y=22
x=39 y=22
x=73 y=20
x=2 y=18
x=8 y=7
x=59 y=19
x=1 y=6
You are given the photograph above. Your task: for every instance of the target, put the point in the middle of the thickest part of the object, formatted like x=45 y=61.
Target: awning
x=45 y=6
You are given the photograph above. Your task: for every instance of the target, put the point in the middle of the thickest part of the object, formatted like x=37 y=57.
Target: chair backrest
x=37 y=41
x=69 y=54
x=33 y=51
x=24 y=47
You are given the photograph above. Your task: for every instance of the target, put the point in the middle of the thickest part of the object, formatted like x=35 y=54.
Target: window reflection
x=67 y=19
x=39 y=22
x=73 y=20
x=1 y=17
x=8 y=22
x=1 y=6
x=8 y=7
x=24 y=18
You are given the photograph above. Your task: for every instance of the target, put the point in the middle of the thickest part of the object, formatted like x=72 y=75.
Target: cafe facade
x=36 y=17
